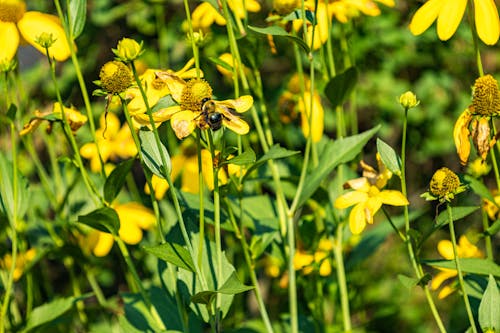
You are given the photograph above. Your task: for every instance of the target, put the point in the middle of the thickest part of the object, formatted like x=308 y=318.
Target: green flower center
x=115 y=77
x=193 y=94
x=11 y=10
x=486 y=96
x=444 y=182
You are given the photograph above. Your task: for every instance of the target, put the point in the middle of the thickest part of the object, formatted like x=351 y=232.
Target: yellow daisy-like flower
x=22 y=260
x=204 y=15
x=449 y=13
x=134 y=218
x=74 y=118
x=368 y=196
x=465 y=249
x=309 y=262
x=114 y=143
x=197 y=109
x=18 y=26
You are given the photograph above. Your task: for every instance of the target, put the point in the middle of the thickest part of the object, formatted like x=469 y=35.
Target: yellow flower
x=204 y=15
x=449 y=13
x=22 y=260
x=197 y=109
x=367 y=200
x=185 y=164
x=134 y=218
x=465 y=249
x=316 y=117
x=491 y=208
x=319 y=260
x=74 y=118
x=114 y=142
x=17 y=25
x=156 y=88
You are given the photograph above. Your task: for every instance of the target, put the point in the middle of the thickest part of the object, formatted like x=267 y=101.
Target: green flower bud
x=128 y=50
x=45 y=40
x=408 y=100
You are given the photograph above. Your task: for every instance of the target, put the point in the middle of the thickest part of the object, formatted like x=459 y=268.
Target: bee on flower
x=196 y=108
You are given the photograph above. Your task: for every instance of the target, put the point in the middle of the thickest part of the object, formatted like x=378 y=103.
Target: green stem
x=69 y=264
x=459 y=270
x=10 y=282
x=95 y=287
x=201 y=198
x=475 y=39
x=341 y=277
x=409 y=246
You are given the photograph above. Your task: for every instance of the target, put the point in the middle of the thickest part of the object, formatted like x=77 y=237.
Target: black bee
x=210 y=115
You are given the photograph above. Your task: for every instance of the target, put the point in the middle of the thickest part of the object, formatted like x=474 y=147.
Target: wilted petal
x=35 y=23
x=461 y=135
x=183 y=123
x=9 y=39
x=487 y=21
x=425 y=16
x=450 y=17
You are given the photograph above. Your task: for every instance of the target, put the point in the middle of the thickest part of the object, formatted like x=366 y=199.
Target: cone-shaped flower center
x=444 y=182
x=115 y=77
x=11 y=10
x=193 y=94
x=486 y=96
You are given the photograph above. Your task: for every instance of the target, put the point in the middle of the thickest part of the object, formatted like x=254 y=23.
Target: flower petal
x=357 y=219
x=104 y=244
x=487 y=21
x=442 y=276
x=183 y=123
x=445 y=249
x=425 y=16
x=235 y=123
x=450 y=17
x=350 y=198
x=461 y=135
x=9 y=39
x=34 y=23
x=393 y=198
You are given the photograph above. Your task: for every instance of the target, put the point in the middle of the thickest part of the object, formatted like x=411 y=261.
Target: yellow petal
x=425 y=16
x=183 y=123
x=316 y=117
x=357 y=219
x=302 y=259
x=461 y=136
x=9 y=39
x=487 y=21
x=442 y=276
x=137 y=214
x=445 y=249
x=445 y=292
x=393 y=198
x=104 y=244
x=372 y=206
x=235 y=123
x=350 y=198
x=34 y=23
x=130 y=233
x=325 y=269
x=450 y=17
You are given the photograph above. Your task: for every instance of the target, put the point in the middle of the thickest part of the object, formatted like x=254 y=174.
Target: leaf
x=274 y=153
x=173 y=253
x=116 y=180
x=407 y=281
x=479 y=188
x=457 y=214
x=244 y=158
x=7 y=193
x=469 y=265
x=151 y=154
x=493 y=229
x=489 y=308
x=77 y=15
x=233 y=286
x=389 y=157
x=297 y=14
x=280 y=32
x=48 y=312
x=104 y=219
x=11 y=113
x=204 y=297
x=335 y=153
x=138 y=317
x=338 y=89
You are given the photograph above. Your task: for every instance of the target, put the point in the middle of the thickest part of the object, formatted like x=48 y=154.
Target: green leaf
x=469 y=265
x=173 y=253
x=389 y=157
x=489 y=308
x=204 y=297
x=479 y=188
x=116 y=180
x=233 y=286
x=493 y=229
x=335 y=153
x=457 y=214
x=407 y=281
x=138 y=317
x=151 y=154
x=48 y=312
x=297 y=14
x=78 y=15
x=338 y=89
x=11 y=113
x=280 y=32
x=244 y=158
x=274 y=153
x=7 y=184
x=104 y=219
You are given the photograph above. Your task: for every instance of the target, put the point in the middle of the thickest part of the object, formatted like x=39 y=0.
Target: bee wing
x=233 y=121
x=240 y=104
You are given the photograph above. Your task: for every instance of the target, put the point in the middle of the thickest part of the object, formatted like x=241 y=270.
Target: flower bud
x=408 y=100
x=115 y=77
x=7 y=65
x=128 y=50
x=45 y=40
x=444 y=182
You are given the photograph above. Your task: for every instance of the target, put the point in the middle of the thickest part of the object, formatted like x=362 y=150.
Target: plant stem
x=341 y=277
x=459 y=269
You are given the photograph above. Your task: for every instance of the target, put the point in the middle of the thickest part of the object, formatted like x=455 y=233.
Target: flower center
x=194 y=93
x=115 y=77
x=158 y=84
x=444 y=182
x=11 y=10
x=486 y=96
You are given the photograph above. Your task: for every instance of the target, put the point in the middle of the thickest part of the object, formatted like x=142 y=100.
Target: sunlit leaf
x=280 y=32
x=152 y=155
x=173 y=253
x=116 y=180
x=104 y=219
x=78 y=15
x=489 y=308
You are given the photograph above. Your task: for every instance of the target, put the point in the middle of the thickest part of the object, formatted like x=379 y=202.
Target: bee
x=214 y=114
